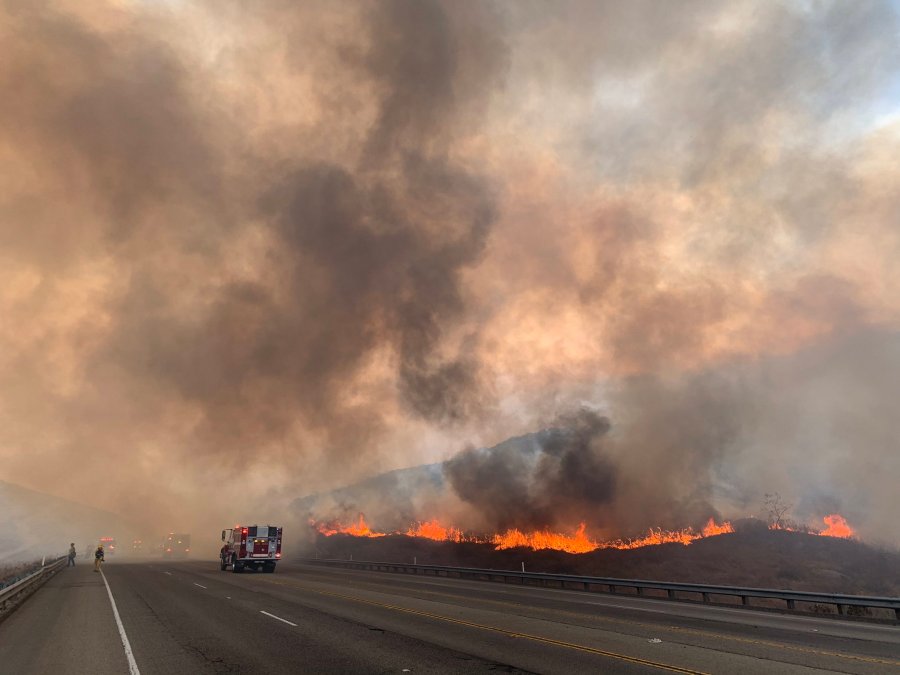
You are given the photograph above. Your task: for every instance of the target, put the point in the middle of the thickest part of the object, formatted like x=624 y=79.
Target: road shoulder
x=67 y=626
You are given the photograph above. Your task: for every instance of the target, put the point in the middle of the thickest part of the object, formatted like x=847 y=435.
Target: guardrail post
x=705 y=597
x=612 y=589
x=897 y=612
x=670 y=594
x=640 y=590
x=745 y=600
x=791 y=604
x=841 y=609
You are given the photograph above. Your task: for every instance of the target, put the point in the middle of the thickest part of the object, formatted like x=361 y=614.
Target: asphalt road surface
x=189 y=617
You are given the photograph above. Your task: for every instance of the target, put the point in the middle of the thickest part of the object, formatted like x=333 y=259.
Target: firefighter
x=98 y=558
x=71 y=562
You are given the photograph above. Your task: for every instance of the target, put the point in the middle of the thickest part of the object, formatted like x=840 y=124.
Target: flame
x=837 y=527
x=358 y=529
x=655 y=537
x=711 y=529
x=433 y=529
x=576 y=542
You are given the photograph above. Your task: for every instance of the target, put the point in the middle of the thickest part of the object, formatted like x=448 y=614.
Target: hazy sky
x=278 y=246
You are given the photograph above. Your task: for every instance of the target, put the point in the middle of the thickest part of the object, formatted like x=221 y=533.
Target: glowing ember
x=837 y=527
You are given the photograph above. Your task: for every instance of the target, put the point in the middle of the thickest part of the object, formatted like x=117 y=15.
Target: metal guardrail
x=610 y=585
x=12 y=591
x=23 y=571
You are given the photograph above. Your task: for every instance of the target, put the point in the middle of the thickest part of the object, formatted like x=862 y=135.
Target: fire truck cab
x=256 y=546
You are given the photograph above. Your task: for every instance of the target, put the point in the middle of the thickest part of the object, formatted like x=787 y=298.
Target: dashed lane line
x=686 y=631
x=132 y=664
x=278 y=618
x=510 y=633
x=200 y=585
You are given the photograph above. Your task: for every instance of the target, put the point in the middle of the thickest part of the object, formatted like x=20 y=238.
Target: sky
x=278 y=247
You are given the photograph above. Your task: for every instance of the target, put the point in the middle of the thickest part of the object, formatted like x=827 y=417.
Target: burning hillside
x=753 y=555
x=301 y=243
x=576 y=542
x=571 y=488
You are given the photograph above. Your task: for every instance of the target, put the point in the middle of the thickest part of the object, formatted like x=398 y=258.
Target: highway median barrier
x=801 y=602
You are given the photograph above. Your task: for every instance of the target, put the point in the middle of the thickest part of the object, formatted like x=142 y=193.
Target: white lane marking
x=196 y=584
x=169 y=573
x=132 y=665
x=278 y=617
x=228 y=597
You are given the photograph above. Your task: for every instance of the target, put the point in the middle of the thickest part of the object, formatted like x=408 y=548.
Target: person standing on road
x=98 y=558
x=71 y=562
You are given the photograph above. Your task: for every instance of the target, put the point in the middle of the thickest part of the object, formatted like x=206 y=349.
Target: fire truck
x=108 y=544
x=256 y=546
x=177 y=545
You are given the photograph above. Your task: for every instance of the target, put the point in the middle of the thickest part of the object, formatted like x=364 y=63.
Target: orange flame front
x=433 y=529
x=711 y=529
x=358 y=529
x=837 y=527
x=576 y=542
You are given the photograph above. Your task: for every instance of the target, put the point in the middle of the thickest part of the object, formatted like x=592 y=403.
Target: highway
x=189 y=617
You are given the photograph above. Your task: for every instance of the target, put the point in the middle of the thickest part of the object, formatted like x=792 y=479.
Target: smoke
x=538 y=481
x=684 y=448
x=301 y=244
x=236 y=297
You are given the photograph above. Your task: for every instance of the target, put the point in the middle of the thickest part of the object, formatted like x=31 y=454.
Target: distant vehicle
x=137 y=546
x=256 y=546
x=108 y=544
x=177 y=546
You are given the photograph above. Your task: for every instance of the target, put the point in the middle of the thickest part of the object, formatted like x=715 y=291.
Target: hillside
x=396 y=498
x=755 y=557
x=34 y=524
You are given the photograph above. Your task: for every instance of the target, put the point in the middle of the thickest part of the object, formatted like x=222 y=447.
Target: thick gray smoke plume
x=301 y=244
x=240 y=293
x=547 y=480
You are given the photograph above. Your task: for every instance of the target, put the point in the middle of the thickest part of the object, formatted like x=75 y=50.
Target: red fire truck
x=256 y=546
x=108 y=544
x=177 y=545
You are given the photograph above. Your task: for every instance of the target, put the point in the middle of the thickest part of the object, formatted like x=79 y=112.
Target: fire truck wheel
x=269 y=568
x=222 y=563
x=235 y=567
